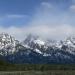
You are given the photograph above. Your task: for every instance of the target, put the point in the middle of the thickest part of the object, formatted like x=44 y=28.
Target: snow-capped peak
x=40 y=42
x=31 y=39
x=7 y=43
x=70 y=41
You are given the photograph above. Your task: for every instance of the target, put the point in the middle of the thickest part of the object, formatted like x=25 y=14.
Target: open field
x=36 y=69
x=51 y=72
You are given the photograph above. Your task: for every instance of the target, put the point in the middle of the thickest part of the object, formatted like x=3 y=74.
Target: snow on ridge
x=39 y=42
x=38 y=51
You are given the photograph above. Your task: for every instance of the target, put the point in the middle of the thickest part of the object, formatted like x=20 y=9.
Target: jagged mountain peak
x=5 y=36
x=35 y=47
x=71 y=39
x=34 y=39
x=7 y=43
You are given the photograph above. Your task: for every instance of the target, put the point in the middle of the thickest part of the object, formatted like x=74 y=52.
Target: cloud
x=44 y=31
x=72 y=8
x=43 y=14
x=12 y=16
x=46 y=4
x=16 y=16
x=46 y=22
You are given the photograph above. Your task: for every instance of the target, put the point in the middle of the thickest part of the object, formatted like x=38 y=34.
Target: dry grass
x=51 y=72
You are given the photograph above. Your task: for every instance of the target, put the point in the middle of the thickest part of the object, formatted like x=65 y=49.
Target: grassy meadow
x=36 y=69
x=51 y=72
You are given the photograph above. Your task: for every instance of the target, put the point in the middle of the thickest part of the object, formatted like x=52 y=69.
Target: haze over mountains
x=36 y=50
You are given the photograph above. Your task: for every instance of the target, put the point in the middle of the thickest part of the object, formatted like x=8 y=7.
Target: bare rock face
x=37 y=50
x=7 y=44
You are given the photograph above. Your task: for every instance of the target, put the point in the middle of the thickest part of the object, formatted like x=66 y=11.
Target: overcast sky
x=54 y=19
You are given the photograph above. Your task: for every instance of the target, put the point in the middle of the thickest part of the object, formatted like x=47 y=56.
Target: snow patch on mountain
x=38 y=51
x=7 y=43
x=40 y=42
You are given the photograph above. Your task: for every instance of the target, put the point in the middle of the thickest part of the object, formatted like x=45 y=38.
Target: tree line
x=5 y=66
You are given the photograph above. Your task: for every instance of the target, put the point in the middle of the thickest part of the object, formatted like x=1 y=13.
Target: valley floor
x=50 y=72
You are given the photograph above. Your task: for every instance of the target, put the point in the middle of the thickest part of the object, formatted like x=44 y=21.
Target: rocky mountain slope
x=7 y=44
x=36 y=50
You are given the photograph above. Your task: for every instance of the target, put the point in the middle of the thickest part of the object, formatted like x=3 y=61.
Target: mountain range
x=35 y=50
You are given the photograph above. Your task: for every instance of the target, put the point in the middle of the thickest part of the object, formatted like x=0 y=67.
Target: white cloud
x=16 y=16
x=41 y=24
x=44 y=31
x=46 y=4
x=10 y=16
x=72 y=8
